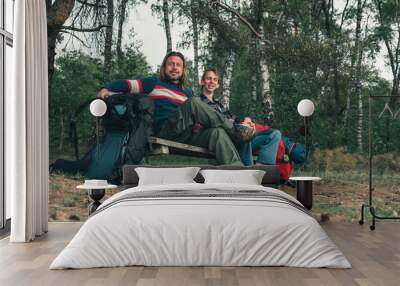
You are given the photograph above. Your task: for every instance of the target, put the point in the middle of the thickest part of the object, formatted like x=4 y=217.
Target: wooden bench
x=164 y=146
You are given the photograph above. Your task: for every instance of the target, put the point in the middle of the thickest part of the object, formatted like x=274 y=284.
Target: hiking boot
x=243 y=133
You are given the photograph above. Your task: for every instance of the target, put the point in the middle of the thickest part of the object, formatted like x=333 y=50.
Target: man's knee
x=219 y=132
x=276 y=135
x=218 y=136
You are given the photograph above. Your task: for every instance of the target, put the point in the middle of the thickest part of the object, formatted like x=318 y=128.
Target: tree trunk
x=108 y=41
x=167 y=25
x=336 y=89
x=211 y=40
x=61 y=143
x=122 y=14
x=264 y=69
x=193 y=9
x=52 y=34
x=226 y=81
x=255 y=66
x=359 y=48
x=252 y=104
x=360 y=124
x=57 y=14
x=228 y=68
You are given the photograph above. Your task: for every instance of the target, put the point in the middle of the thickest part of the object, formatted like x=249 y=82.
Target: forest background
x=271 y=54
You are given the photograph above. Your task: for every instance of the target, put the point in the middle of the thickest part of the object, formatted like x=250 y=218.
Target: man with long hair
x=177 y=112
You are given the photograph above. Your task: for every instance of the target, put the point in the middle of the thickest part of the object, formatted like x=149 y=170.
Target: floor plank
x=375 y=257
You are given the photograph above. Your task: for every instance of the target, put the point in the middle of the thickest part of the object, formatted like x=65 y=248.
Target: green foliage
x=77 y=78
x=310 y=50
x=68 y=203
x=76 y=197
x=133 y=66
x=389 y=162
x=339 y=165
x=334 y=160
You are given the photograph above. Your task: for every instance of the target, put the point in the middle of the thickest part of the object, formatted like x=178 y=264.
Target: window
x=9 y=15
x=6 y=64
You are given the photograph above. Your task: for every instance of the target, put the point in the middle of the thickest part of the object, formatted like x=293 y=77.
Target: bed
x=200 y=224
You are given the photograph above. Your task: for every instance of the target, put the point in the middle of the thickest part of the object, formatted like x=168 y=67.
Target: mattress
x=201 y=225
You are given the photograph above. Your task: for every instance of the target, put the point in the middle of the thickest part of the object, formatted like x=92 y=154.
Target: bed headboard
x=271 y=177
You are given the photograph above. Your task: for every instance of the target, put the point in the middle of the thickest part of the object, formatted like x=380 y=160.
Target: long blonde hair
x=183 y=79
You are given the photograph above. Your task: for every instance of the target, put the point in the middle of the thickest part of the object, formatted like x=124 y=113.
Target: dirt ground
x=332 y=201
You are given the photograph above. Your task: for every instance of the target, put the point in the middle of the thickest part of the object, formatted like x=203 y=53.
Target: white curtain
x=27 y=124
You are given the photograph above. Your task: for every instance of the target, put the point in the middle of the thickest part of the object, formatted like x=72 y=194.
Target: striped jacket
x=167 y=96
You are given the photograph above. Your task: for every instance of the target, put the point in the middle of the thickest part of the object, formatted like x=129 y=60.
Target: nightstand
x=304 y=187
x=96 y=190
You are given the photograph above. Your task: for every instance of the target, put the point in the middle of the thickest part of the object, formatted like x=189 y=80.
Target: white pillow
x=248 y=177
x=166 y=176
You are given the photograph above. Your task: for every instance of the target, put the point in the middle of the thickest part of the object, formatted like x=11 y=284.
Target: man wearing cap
x=177 y=112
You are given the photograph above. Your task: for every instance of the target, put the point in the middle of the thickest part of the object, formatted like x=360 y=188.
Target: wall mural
x=266 y=57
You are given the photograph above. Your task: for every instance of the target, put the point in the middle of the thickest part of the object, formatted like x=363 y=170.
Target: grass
x=68 y=203
x=337 y=197
x=179 y=160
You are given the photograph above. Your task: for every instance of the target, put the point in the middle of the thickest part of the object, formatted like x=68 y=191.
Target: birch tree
x=264 y=68
x=194 y=6
x=359 y=51
x=354 y=79
x=230 y=61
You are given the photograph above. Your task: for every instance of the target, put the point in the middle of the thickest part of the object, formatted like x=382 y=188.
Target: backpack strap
x=292 y=148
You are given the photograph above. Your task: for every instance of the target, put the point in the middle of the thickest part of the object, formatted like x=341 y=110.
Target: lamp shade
x=98 y=107
x=305 y=107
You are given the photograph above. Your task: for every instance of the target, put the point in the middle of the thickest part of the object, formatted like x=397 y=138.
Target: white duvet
x=183 y=231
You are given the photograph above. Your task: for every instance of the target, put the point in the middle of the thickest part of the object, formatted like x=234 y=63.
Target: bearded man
x=177 y=112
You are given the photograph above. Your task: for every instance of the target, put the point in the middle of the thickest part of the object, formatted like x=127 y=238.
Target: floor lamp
x=98 y=108
x=304 y=185
x=96 y=188
x=306 y=108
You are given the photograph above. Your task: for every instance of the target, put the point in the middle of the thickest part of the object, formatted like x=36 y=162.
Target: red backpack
x=282 y=162
x=285 y=166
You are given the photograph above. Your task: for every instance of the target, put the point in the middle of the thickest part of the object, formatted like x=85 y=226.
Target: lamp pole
x=305 y=136
x=98 y=108
x=305 y=108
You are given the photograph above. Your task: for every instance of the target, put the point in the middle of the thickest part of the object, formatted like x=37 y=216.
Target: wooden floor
x=375 y=256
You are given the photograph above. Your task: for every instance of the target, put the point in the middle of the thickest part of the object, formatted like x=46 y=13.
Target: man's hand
x=103 y=93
